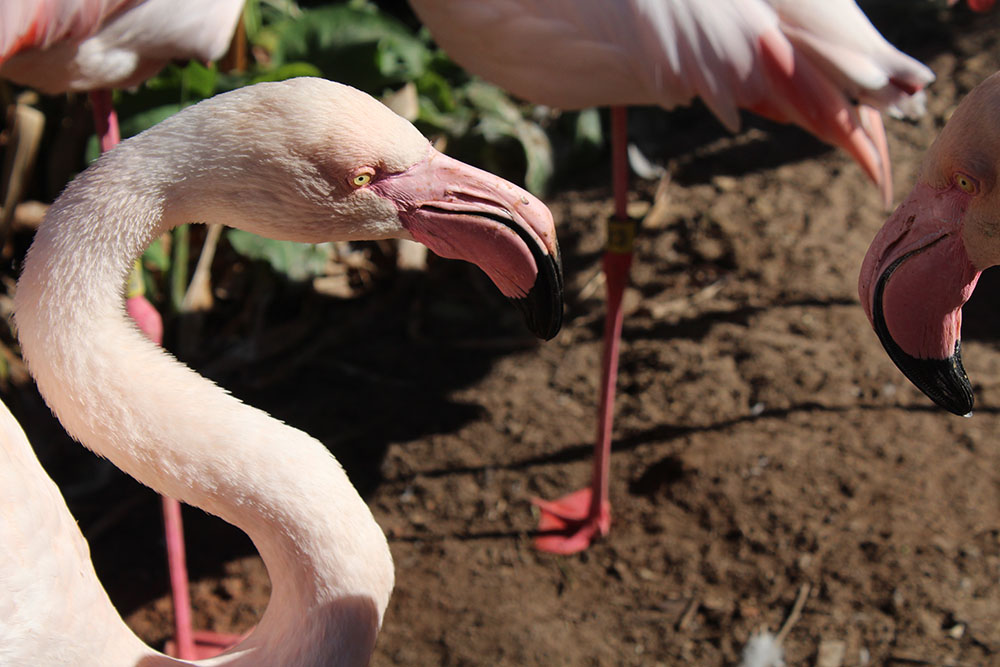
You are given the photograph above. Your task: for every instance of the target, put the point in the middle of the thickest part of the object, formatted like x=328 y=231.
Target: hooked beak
x=461 y=212
x=915 y=279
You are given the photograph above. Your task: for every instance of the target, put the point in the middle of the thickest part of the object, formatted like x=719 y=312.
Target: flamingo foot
x=207 y=644
x=569 y=525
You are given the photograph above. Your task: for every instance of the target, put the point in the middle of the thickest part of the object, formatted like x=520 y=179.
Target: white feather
x=763 y=650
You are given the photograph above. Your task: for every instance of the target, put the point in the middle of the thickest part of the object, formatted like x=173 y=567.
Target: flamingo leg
x=177 y=565
x=569 y=524
x=105 y=119
x=187 y=644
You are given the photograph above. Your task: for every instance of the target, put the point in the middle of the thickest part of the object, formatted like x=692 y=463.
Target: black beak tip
x=944 y=381
x=542 y=307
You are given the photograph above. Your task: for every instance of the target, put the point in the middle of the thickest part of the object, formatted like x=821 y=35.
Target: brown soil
x=764 y=442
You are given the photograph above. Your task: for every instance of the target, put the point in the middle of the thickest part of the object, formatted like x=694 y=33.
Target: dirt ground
x=764 y=443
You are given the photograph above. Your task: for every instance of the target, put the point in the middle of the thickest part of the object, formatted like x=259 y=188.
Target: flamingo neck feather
x=159 y=421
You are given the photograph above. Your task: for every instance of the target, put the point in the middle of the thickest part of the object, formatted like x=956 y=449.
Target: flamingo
x=818 y=64
x=924 y=263
x=307 y=160
x=57 y=46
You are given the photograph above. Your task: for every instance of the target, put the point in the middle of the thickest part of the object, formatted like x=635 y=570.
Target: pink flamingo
x=924 y=263
x=816 y=63
x=58 y=46
x=307 y=160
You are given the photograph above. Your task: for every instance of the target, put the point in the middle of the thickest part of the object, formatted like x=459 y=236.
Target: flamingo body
x=42 y=578
x=306 y=160
x=819 y=64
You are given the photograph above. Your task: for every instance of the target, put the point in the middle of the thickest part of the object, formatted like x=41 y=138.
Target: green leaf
x=298 y=261
x=287 y=71
x=502 y=119
x=493 y=101
x=437 y=90
x=456 y=123
x=198 y=81
x=352 y=43
x=495 y=129
x=588 y=129
x=538 y=153
x=4 y=368
x=132 y=125
x=192 y=81
x=252 y=20
x=401 y=57
x=156 y=257
x=179 y=266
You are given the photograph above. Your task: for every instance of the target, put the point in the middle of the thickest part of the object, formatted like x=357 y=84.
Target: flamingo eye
x=362 y=178
x=966 y=183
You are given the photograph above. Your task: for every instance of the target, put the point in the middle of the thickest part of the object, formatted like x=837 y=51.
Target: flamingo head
x=462 y=212
x=353 y=169
x=924 y=263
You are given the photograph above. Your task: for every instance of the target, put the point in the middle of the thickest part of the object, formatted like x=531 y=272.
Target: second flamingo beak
x=461 y=212
x=915 y=279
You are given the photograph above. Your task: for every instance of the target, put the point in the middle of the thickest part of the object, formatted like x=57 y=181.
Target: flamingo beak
x=915 y=279
x=461 y=212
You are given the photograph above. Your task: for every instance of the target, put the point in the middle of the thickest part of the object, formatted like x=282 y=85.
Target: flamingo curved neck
x=182 y=435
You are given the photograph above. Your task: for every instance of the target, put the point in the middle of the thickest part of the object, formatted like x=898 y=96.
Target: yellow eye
x=966 y=184
x=362 y=179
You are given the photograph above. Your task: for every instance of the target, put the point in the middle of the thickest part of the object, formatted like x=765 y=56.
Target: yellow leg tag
x=621 y=236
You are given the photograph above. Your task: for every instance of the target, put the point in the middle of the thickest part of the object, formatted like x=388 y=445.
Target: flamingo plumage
x=306 y=160
x=58 y=46
x=924 y=263
x=819 y=64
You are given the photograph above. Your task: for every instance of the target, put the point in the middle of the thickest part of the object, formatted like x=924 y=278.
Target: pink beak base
x=461 y=212
x=914 y=281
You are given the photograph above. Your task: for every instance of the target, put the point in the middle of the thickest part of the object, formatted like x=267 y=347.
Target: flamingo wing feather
x=61 y=45
x=39 y=24
x=816 y=63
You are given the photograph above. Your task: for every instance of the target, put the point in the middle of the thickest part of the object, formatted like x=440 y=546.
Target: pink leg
x=183 y=645
x=568 y=525
x=187 y=645
x=105 y=119
x=177 y=565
